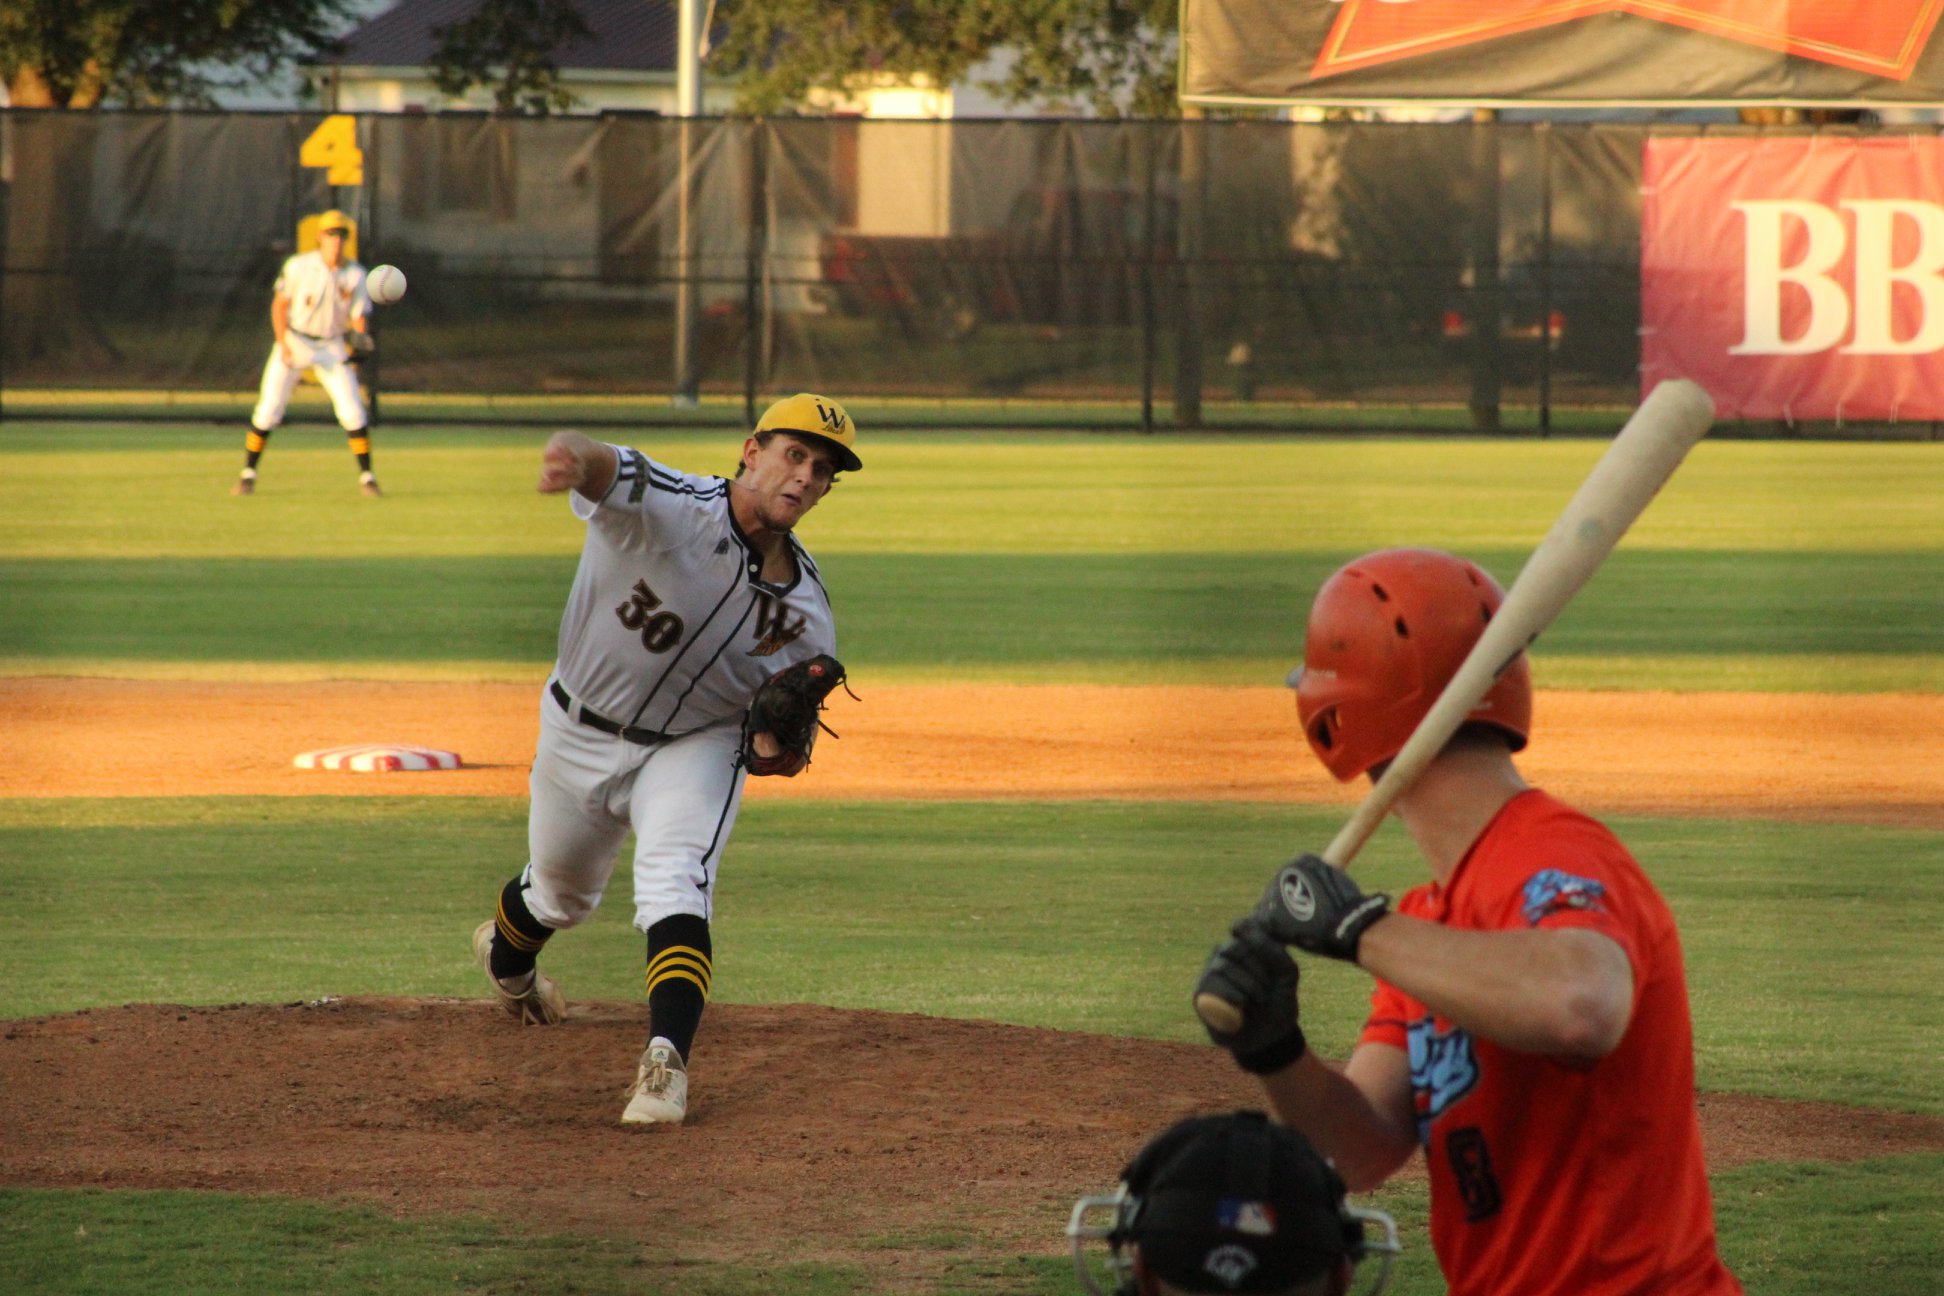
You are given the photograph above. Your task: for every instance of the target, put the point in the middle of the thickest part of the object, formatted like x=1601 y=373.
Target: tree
x=1117 y=57
x=81 y=54
x=150 y=53
x=1113 y=57
x=510 y=45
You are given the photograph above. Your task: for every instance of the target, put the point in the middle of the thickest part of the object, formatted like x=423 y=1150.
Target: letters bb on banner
x=1797 y=278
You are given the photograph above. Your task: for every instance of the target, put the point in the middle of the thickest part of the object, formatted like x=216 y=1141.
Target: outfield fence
x=627 y=268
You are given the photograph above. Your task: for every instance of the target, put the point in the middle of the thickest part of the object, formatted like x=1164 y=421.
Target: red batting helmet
x=1386 y=634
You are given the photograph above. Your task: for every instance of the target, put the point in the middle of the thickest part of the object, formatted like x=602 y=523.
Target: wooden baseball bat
x=1675 y=415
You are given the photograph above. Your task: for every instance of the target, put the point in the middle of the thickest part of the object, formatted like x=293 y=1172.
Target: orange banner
x=1647 y=52
x=1882 y=37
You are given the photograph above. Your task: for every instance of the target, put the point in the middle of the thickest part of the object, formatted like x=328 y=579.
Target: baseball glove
x=783 y=715
x=359 y=345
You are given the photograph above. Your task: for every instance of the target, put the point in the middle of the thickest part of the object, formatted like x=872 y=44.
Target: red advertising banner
x=1796 y=277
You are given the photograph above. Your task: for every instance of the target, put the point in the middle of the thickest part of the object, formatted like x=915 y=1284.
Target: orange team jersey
x=1551 y=1178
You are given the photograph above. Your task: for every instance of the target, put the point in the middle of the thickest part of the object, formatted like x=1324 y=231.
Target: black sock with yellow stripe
x=517 y=934
x=361 y=448
x=253 y=444
x=679 y=972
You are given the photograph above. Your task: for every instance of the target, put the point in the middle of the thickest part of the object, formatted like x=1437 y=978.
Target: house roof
x=628 y=35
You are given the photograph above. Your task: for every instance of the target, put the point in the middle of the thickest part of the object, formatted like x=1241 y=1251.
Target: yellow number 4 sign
x=334 y=147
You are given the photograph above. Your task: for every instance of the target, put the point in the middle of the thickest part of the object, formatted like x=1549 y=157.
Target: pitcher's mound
x=813 y=1132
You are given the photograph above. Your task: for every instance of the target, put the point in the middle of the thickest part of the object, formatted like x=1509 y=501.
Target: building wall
x=904 y=171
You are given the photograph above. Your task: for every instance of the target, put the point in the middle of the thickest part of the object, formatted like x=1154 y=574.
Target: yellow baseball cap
x=334 y=220
x=807 y=414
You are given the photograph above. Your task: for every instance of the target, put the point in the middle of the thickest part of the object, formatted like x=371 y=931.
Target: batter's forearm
x=1367 y=1141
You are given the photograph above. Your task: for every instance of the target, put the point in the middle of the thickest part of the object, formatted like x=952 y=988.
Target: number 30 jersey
x=669 y=625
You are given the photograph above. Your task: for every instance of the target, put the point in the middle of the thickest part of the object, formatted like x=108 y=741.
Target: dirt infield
x=816 y=1134
x=1870 y=758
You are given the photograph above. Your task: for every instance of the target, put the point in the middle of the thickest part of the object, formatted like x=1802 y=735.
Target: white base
x=378 y=758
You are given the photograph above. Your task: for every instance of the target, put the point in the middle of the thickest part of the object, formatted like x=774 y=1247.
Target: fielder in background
x=318 y=306
x=1230 y=1203
x=1529 y=1029
x=691 y=594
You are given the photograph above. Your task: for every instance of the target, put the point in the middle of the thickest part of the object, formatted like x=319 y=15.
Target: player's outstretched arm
x=574 y=461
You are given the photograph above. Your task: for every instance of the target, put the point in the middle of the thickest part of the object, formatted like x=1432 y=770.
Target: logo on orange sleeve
x=1882 y=38
x=1550 y=891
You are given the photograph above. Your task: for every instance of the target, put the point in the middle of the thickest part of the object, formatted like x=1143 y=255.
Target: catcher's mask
x=809 y=415
x=1230 y=1203
x=1386 y=634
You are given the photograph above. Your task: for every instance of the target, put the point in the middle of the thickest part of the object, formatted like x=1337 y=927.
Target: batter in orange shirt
x=1601 y=1160
x=1530 y=1028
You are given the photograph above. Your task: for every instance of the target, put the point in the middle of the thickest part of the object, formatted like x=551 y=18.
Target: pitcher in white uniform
x=691 y=591
x=319 y=297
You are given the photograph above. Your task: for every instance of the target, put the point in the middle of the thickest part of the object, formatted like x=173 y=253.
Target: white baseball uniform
x=667 y=634
x=323 y=304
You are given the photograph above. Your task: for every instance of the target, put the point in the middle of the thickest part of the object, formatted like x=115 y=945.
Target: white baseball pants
x=589 y=788
x=334 y=375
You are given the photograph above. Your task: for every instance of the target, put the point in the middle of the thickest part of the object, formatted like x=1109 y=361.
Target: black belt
x=593 y=720
x=308 y=338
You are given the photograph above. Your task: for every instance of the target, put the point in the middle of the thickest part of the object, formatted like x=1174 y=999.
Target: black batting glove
x=1253 y=971
x=1318 y=908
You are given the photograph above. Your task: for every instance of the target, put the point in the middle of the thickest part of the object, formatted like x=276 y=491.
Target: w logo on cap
x=833 y=418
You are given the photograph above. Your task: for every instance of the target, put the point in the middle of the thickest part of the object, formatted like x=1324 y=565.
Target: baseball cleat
x=244 y=486
x=370 y=488
x=540 y=1003
x=659 y=1095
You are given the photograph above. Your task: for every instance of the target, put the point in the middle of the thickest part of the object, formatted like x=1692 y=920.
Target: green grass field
x=1814 y=967
x=1074 y=557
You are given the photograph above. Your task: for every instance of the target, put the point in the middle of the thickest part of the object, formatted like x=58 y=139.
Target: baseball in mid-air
x=385 y=284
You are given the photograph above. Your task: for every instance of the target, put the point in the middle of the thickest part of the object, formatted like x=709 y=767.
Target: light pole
x=688 y=106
